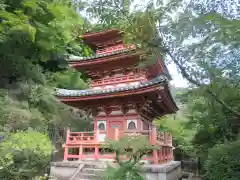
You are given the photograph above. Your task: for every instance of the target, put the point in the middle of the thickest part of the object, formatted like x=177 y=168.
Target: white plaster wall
x=101 y=137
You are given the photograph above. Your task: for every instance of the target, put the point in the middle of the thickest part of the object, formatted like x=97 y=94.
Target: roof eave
x=112 y=94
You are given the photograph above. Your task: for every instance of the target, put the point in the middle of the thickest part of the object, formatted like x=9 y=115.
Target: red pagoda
x=123 y=99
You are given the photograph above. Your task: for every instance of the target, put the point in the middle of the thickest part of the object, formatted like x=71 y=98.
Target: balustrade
x=78 y=137
x=81 y=140
x=121 y=79
x=115 y=48
x=163 y=138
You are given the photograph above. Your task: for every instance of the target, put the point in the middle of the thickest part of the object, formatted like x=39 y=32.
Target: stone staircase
x=80 y=170
x=90 y=171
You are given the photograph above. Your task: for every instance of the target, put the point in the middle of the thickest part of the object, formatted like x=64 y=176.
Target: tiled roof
x=88 y=92
x=79 y=58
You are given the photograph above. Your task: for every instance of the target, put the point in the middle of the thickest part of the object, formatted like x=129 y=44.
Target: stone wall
x=168 y=171
x=72 y=170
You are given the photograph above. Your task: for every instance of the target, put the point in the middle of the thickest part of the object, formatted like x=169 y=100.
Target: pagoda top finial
x=99 y=40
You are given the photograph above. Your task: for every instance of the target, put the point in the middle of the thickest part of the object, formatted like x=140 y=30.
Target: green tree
x=35 y=40
x=223 y=162
x=24 y=155
x=133 y=149
x=69 y=79
x=182 y=136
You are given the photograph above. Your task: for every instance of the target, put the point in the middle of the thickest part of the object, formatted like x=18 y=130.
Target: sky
x=177 y=79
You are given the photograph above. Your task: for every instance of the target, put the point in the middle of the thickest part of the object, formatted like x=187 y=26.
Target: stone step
x=93 y=170
x=95 y=166
x=86 y=176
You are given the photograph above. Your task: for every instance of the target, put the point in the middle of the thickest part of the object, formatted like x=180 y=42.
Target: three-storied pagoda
x=123 y=99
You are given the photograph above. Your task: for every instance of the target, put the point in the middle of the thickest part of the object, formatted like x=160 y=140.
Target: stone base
x=72 y=170
x=169 y=171
x=63 y=170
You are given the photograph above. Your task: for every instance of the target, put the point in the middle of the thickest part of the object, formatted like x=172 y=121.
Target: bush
x=133 y=149
x=223 y=162
x=24 y=155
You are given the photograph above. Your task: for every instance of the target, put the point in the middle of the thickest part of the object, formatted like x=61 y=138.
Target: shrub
x=223 y=162
x=133 y=149
x=24 y=155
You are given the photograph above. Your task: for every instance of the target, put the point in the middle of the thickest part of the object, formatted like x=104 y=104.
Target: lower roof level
x=64 y=93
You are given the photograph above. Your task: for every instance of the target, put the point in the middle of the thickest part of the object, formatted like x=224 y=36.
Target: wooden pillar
x=95 y=124
x=160 y=155
x=154 y=135
x=96 y=135
x=116 y=134
x=65 y=158
x=67 y=135
x=155 y=157
x=96 y=152
x=80 y=155
x=96 y=147
x=170 y=139
x=153 y=142
x=165 y=154
x=107 y=127
x=168 y=153
x=138 y=123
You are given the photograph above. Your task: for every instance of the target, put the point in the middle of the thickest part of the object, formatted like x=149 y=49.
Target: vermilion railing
x=115 y=48
x=116 y=80
x=78 y=137
x=163 y=138
x=80 y=140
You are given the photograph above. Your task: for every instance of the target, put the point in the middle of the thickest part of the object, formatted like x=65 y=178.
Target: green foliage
x=35 y=37
x=69 y=79
x=32 y=105
x=214 y=123
x=223 y=162
x=226 y=29
x=37 y=32
x=182 y=136
x=24 y=155
x=133 y=149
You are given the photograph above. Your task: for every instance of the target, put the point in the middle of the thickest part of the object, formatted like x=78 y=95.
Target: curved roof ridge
x=87 y=92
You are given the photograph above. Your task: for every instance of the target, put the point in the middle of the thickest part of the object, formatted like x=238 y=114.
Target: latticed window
x=101 y=126
x=132 y=125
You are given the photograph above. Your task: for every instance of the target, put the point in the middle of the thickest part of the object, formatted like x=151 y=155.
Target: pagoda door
x=115 y=124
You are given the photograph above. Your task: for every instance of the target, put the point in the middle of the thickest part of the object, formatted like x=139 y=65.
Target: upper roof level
x=103 y=39
x=113 y=56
